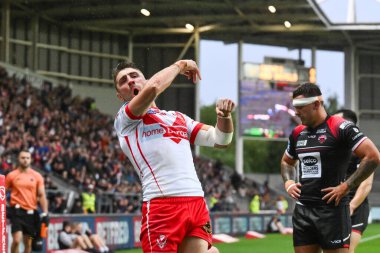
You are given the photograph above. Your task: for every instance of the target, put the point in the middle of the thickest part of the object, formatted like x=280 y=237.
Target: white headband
x=305 y=101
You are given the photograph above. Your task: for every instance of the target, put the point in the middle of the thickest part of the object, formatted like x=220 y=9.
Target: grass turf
x=274 y=243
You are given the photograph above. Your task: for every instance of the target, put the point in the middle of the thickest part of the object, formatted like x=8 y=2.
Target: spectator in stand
x=89 y=200
x=254 y=206
x=77 y=207
x=281 y=204
x=58 y=205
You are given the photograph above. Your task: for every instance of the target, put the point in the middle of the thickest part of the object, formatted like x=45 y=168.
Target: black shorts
x=359 y=218
x=326 y=226
x=22 y=220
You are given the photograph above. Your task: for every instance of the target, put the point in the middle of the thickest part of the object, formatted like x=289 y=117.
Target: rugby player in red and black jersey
x=322 y=146
x=359 y=206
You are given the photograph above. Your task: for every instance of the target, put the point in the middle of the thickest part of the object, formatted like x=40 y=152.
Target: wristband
x=224 y=117
x=290 y=186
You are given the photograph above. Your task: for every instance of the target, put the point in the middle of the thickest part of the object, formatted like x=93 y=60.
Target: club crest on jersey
x=161 y=241
x=301 y=143
x=322 y=138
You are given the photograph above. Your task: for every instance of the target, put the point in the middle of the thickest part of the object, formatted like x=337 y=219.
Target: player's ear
x=120 y=97
x=317 y=104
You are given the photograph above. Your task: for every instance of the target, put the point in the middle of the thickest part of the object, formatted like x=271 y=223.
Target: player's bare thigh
x=354 y=241
x=193 y=245
x=314 y=248
x=317 y=249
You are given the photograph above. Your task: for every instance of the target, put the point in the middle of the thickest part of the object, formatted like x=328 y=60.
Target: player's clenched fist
x=224 y=107
x=189 y=68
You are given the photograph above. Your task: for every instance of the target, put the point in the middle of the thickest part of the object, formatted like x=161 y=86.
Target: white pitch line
x=370 y=238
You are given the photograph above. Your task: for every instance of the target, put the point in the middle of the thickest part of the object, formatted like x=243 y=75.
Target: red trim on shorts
x=133 y=156
x=357 y=231
x=346 y=246
x=150 y=168
x=130 y=114
x=195 y=131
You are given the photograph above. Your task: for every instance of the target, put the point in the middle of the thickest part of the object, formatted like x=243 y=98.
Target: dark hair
x=348 y=115
x=307 y=90
x=66 y=223
x=119 y=67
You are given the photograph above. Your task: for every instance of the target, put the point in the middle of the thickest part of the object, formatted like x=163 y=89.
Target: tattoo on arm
x=287 y=171
x=366 y=168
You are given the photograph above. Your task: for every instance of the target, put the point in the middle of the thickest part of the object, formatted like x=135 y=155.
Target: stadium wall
x=123 y=231
x=84 y=59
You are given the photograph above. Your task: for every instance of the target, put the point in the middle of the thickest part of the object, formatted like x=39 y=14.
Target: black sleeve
x=291 y=148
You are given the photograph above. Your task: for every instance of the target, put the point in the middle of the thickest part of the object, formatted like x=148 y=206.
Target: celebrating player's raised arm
x=132 y=86
x=219 y=136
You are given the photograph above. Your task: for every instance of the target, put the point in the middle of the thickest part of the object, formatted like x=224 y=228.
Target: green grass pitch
x=274 y=243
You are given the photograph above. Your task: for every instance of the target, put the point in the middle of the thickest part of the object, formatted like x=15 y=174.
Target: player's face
x=24 y=160
x=129 y=83
x=305 y=113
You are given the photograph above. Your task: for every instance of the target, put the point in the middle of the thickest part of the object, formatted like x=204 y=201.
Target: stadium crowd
x=72 y=140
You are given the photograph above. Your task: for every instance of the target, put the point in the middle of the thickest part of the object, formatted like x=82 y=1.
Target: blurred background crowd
x=75 y=147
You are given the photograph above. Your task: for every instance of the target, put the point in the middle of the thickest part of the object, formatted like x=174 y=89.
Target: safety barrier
x=123 y=231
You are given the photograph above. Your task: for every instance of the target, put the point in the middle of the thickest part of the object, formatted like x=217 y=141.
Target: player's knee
x=16 y=239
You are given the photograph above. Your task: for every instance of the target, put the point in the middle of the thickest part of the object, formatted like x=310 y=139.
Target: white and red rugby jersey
x=158 y=146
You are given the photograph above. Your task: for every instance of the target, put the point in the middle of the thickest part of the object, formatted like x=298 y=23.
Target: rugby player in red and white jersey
x=157 y=142
x=323 y=145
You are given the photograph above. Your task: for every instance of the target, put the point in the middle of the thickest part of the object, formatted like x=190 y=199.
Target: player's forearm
x=365 y=169
x=225 y=124
x=154 y=86
x=362 y=192
x=287 y=171
x=44 y=204
x=163 y=79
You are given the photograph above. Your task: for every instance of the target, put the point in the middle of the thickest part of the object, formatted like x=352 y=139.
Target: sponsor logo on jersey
x=309 y=160
x=151 y=132
x=356 y=129
x=321 y=131
x=177 y=131
x=161 y=241
x=311 y=166
x=304 y=132
x=322 y=138
x=311 y=136
x=301 y=143
x=345 y=124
